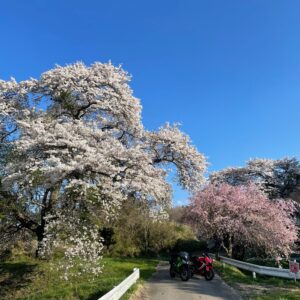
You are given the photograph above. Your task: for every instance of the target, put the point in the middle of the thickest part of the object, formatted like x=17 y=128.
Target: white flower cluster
x=87 y=151
x=170 y=145
x=80 y=242
x=158 y=214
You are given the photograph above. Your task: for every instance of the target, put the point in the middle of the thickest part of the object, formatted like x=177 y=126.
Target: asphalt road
x=162 y=287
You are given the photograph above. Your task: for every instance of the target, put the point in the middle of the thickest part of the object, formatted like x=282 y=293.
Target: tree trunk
x=40 y=247
x=230 y=246
x=47 y=209
x=146 y=238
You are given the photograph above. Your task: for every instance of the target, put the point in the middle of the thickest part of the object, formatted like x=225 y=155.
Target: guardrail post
x=295 y=273
x=254 y=275
x=137 y=271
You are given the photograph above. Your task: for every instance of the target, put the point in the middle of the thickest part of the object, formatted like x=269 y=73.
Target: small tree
x=238 y=215
x=139 y=230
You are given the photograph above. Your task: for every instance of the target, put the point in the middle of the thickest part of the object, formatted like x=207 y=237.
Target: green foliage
x=261 y=288
x=136 y=233
x=67 y=101
x=37 y=177
x=108 y=236
x=29 y=278
x=178 y=214
x=190 y=246
x=270 y=262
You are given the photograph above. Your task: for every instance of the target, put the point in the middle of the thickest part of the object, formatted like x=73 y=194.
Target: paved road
x=162 y=287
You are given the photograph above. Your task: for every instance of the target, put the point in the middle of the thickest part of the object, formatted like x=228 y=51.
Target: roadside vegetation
x=83 y=183
x=139 y=242
x=261 y=288
x=30 y=278
x=85 y=196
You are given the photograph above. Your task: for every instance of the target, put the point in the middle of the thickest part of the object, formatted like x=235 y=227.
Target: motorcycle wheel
x=185 y=274
x=172 y=273
x=209 y=275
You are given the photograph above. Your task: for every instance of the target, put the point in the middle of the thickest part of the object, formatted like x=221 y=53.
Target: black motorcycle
x=179 y=265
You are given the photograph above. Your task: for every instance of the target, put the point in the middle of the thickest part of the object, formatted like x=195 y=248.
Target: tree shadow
x=13 y=276
x=96 y=295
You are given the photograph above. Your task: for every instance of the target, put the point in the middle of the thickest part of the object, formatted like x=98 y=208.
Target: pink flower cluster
x=244 y=215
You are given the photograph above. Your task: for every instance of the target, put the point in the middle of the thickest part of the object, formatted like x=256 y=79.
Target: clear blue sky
x=229 y=71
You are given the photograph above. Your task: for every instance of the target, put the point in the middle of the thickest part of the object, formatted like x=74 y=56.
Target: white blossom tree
x=77 y=147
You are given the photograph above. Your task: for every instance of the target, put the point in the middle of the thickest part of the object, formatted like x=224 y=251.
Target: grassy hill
x=29 y=278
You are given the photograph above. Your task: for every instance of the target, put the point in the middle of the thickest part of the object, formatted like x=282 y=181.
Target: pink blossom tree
x=243 y=215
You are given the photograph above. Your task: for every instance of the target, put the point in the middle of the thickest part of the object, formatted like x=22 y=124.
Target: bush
x=136 y=233
x=149 y=238
x=190 y=246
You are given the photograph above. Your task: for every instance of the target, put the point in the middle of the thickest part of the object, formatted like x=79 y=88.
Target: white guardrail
x=269 y=271
x=118 y=291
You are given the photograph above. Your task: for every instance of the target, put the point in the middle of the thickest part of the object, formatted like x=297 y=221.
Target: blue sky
x=228 y=71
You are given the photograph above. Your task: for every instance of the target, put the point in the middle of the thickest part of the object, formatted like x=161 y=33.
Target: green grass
x=269 y=263
x=28 y=278
x=261 y=288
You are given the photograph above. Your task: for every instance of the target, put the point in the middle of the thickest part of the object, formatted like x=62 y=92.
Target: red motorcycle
x=202 y=266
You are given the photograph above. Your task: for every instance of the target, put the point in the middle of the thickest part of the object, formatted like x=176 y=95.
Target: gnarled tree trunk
x=48 y=205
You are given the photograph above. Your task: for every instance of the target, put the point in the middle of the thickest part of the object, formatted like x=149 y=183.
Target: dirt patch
x=139 y=294
x=249 y=291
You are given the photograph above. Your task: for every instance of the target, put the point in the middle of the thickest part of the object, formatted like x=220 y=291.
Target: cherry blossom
x=277 y=178
x=238 y=215
x=75 y=146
